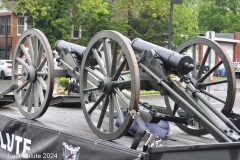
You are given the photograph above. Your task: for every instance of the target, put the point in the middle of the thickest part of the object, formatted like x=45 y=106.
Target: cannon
x=115 y=69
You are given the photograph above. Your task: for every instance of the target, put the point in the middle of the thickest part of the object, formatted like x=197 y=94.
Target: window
x=24 y=23
x=3 y=54
x=76 y=32
x=5 y=25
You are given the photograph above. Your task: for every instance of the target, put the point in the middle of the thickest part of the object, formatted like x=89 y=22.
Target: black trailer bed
x=71 y=121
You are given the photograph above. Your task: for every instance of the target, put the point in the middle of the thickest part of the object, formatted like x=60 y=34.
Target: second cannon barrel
x=173 y=60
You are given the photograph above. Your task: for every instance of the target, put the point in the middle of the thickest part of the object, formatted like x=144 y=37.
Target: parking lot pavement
x=4 y=84
x=157 y=99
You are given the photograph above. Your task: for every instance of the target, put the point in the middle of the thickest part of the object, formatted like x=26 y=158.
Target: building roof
x=10 y=7
x=3 y=9
x=227 y=40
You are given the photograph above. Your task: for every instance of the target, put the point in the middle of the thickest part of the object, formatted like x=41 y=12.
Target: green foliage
x=52 y=17
x=147 y=19
x=63 y=81
x=219 y=16
x=144 y=92
x=83 y=41
x=185 y=24
x=150 y=21
x=95 y=16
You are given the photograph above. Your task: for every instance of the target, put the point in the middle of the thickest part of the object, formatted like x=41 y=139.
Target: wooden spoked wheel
x=108 y=57
x=35 y=79
x=202 y=77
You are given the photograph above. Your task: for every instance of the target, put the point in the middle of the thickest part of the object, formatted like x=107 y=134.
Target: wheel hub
x=106 y=86
x=29 y=74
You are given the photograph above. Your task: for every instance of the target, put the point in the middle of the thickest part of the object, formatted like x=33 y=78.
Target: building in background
x=13 y=24
x=230 y=42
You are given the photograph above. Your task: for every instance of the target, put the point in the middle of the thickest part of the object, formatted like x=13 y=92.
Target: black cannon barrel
x=172 y=59
x=61 y=44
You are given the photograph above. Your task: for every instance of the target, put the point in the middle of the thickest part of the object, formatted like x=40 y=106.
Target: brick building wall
x=13 y=31
x=236 y=56
x=15 y=37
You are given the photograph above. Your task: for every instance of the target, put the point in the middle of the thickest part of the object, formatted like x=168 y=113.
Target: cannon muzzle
x=171 y=59
x=77 y=49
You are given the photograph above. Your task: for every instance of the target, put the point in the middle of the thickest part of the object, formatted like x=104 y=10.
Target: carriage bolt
x=152 y=61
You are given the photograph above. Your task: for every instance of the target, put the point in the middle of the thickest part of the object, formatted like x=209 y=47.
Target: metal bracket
x=75 y=69
x=10 y=89
x=150 y=140
x=134 y=114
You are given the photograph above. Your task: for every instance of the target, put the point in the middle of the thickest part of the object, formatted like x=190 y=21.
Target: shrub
x=63 y=81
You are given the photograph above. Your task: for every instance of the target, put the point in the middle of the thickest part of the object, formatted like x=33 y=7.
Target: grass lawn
x=224 y=78
x=144 y=92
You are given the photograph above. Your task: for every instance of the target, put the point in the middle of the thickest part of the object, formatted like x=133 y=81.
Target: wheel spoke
x=96 y=104
x=194 y=57
x=40 y=91
x=114 y=58
x=91 y=84
x=26 y=95
x=26 y=54
x=30 y=46
x=117 y=83
x=119 y=93
x=111 y=113
x=107 y=54
x=36 y=97
x=21 y=62
x=120 y=56
x=210 y=72
x=42 y=82
x=22 y=86
x=104 y=108
x=100 y=47
x=100 y=63
x=35 y=49
x=41 y=73
x=17 y=74
x=201 y=85
x=203 y=62
x=212 y=96
x=90 y=89
x=42 y=64
x=118 y=108
x=31 y=99
x=119 y=70
x=94 y=73
x=39 y=56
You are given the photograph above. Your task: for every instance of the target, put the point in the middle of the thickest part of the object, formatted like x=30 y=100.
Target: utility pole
x=6 y=37
x=170 y=21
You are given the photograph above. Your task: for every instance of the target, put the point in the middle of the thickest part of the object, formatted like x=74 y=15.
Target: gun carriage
x=115 y=68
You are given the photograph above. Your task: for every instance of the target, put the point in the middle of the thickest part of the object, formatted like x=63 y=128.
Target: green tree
x=149 y=20
x=55 y=17
x=219 y=16
x=52 y=17
x=97 y=15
